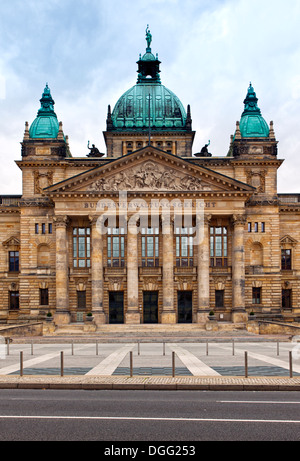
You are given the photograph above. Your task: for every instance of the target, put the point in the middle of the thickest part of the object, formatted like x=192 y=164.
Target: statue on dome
x=148 y=36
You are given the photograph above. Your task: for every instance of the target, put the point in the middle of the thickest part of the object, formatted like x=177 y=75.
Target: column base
x=202 y=316
x=168 y=317
x=133 y=318
x=99 y=318
x=239 y=317
x=62 y=318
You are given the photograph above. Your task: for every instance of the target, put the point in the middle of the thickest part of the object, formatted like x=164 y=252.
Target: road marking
x=110 y=363
x=265 y=358
x=196 y=366
x=258 y=401
x=29 y=363
x=137 y=418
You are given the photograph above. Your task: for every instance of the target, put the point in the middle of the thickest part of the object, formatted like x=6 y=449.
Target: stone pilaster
x=238 y=270
x=203 y=269
x=133 y=313
x=168 y=314
x=62 y=315
x=97 y=271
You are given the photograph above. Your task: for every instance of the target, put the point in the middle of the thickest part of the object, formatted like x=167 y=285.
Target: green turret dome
x=131 y=111
x=252 y=124
x=46 y=124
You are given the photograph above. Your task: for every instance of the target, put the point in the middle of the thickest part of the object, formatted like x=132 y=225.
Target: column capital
x=239 y=219
x=205 y=219
x=61 y=221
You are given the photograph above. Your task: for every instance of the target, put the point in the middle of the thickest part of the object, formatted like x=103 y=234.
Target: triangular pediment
x=11 y=241
x=288 y=240
x=149 y=170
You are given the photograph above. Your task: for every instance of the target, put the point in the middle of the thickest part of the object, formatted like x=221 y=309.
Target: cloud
x=210 y=50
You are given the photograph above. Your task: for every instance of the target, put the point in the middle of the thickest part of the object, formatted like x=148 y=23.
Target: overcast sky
x=210 y=50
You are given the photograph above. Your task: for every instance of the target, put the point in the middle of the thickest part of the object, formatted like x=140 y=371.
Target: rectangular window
x=81 y=299
x=249 y=227
x=36 y=228
x=256 y=227
x=219 y=295
x=286 y=260
x=256 y=295
x=81 y=247
x=263 y=227
x=115 y=247
x=184 y=247
x=43 y=228
x=44 y=298
x=218 y=246
x=14 y=300
x=50 y=228
x=13 y=261
x=150 y=247
x=286 y=299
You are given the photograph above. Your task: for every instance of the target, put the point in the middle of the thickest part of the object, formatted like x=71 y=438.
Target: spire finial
x=148 y=39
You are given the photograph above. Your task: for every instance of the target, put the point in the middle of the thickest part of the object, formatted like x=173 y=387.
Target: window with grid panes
x=13 y=261
x=184 y=247
x=256 y=295
x=218 y=247
x=81 y=247
x=150 y=247
x=44 y=297
x=286 y=260
x=115 y=247
x=14 y=300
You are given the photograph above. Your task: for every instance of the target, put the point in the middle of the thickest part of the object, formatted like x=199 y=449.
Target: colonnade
x=168 y=314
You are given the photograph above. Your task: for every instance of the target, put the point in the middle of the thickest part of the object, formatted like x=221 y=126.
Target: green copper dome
x=46 y=124
x=252 y=124
x=131 y=111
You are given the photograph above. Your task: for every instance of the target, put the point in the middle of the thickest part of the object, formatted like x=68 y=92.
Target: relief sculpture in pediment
x=149 y=176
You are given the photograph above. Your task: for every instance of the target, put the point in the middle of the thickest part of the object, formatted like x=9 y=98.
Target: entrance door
x=185 y=306
x=150 y=306
x=116 y=307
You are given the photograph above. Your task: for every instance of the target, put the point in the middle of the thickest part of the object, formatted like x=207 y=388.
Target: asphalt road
x=162 y=416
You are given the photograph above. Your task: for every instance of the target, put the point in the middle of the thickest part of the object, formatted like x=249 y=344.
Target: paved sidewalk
x=202 y=365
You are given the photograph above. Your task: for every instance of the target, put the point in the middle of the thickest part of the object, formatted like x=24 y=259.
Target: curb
x=241 y=384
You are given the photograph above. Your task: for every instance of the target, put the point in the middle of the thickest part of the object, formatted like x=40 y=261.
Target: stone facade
x=104 y=234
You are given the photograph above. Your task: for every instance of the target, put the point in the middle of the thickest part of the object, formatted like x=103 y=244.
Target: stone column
x=97 y=270
x=239 y=314
x=133 y=313
x=203 y=269
x=62 y=315
x=168 y=314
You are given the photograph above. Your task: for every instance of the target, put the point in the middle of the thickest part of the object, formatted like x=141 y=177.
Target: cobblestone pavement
x=233 y=363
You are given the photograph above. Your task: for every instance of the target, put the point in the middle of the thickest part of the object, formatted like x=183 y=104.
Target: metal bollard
x=291 y=364
x=233 y=347
x=277 y=347
x=97 y=350
x=131 y=364
x=246 y=364
x=7 y=349
x=31 y=347
x=21 y=363
x=173 y=364
x=61 y=363
x=138 y=348
x=206 y=347
x=72 y=347
x=164 y=349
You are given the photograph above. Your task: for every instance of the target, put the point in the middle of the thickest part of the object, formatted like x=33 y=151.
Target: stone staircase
x=152 y=332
